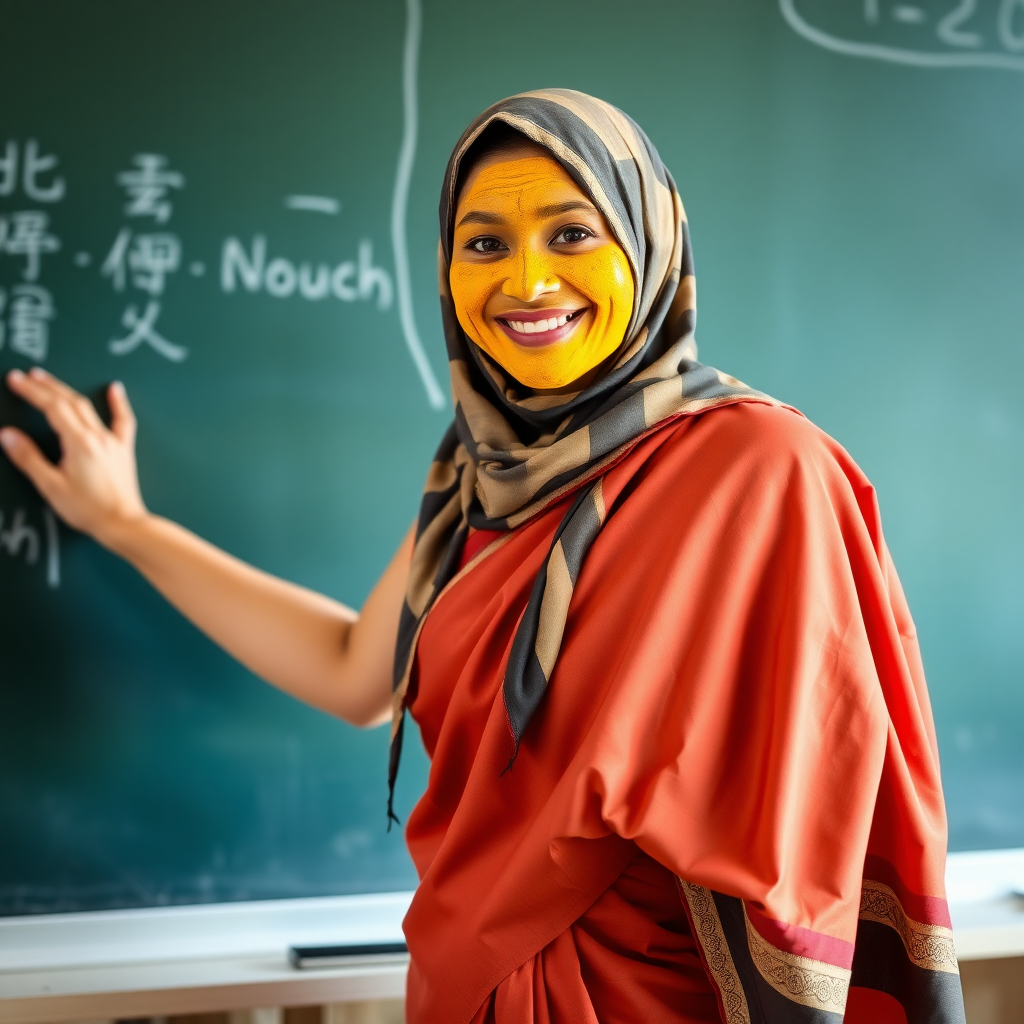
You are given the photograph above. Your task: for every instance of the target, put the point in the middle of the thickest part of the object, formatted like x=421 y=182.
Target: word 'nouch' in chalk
x=341 y=956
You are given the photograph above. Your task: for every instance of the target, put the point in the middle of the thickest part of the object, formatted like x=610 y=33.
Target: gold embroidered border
x=709 y=933
x=813 y=983
x=928 y=945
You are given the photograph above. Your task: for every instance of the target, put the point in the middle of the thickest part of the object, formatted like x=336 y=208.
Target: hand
x=95 y=486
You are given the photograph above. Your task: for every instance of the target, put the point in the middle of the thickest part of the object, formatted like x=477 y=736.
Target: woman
x=683 y=764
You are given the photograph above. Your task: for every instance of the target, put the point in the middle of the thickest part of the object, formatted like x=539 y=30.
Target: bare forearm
x=292 y=637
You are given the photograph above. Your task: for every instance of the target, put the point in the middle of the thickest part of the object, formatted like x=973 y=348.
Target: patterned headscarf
x=511 y=452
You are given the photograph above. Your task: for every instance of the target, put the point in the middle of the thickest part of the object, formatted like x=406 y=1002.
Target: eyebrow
x=573 y=204
x=553 y=210
x=479 y=217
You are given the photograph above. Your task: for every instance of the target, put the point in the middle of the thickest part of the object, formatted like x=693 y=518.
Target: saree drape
x=740 y=697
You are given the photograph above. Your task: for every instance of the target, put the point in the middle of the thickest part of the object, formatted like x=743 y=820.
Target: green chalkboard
x=231 y=206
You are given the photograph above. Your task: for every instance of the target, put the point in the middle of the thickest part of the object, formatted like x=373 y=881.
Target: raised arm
x=316 y=649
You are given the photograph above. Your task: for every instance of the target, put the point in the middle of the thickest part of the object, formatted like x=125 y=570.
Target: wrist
x=122 y=533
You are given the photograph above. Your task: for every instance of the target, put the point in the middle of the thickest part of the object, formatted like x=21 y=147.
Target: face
x=538 y=281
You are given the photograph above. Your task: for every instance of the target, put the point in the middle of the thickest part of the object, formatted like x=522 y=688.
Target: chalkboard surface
x=231 y=206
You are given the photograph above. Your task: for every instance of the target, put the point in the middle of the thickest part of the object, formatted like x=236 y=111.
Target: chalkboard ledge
x=986 y=901
x=178 y=960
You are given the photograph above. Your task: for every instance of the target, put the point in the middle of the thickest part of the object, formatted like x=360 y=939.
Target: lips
x=535 y=327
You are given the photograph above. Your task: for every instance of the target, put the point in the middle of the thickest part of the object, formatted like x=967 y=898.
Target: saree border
x=928 y=946
x=812 y=983
x=756 y=982
x=715 y=952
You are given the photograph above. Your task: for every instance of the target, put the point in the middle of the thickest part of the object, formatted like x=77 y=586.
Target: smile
x=540 y=327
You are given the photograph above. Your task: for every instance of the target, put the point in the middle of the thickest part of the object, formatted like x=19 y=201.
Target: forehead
x=528 y=176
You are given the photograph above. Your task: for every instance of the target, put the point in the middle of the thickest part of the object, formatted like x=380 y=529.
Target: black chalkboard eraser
x=344 y=956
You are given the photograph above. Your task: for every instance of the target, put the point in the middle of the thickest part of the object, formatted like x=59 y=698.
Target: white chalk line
x=893 y=55
x=52 y=548
x=399 y=203
x=313 y=204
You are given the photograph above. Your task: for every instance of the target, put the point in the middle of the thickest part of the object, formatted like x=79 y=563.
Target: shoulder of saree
x=663 y=417
x=735 y=694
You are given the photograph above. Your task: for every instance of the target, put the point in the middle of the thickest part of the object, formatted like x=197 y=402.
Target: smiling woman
x=683 y=763
x=652 y=638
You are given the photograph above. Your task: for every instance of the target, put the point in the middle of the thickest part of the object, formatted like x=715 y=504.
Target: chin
x=547 y=382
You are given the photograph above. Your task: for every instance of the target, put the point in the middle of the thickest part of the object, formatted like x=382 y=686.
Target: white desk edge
x=197 y=959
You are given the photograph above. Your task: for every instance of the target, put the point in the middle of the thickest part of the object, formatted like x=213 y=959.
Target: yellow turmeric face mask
x=538 y=281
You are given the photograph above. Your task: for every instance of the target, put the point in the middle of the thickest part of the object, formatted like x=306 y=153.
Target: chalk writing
x=25 y=542
x=142 y=330
x=148 y=187
x=149 y=257
x=313 y=204
x=26 y=239
x=27 y=329
x=145 y=259
x=927 y=34
x=33 y=167
x=400 y=198
x=26 y=234
x=349 y=281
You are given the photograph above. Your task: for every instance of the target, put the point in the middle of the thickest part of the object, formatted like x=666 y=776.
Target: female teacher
x=683 y=761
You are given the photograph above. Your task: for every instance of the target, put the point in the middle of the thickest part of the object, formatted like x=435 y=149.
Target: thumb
x=25 y=454
x=122 y=417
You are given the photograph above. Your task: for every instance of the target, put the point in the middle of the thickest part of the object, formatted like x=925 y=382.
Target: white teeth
x=539 y=326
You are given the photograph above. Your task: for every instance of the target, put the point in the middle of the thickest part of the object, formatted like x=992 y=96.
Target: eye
x=571 y=235
x=487 y=244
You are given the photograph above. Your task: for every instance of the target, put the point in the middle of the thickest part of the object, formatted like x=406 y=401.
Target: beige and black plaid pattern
x=511 y=452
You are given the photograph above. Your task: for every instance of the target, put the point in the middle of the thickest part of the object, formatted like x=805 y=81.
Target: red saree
x=738 y=704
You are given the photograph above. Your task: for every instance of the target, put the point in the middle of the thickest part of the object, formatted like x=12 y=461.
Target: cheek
x=471 y=288
x=602 y=276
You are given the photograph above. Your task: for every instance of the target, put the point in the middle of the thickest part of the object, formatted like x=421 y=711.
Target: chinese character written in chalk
x=25 y=234
x=150 y=258
x=31 y=310
x=145 y=260
x=32 y=167
x=148 y=186
x=142 y=329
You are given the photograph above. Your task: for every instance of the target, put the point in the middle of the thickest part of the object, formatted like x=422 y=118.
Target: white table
x=173 y=960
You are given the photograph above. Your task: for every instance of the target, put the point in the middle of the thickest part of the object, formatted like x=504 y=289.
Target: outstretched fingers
x=81 y=405
x=95 y=486
x=25 y=454
x=70 y=414
x=122 y=416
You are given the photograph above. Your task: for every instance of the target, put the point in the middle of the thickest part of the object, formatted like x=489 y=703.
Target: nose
x=531 y=277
